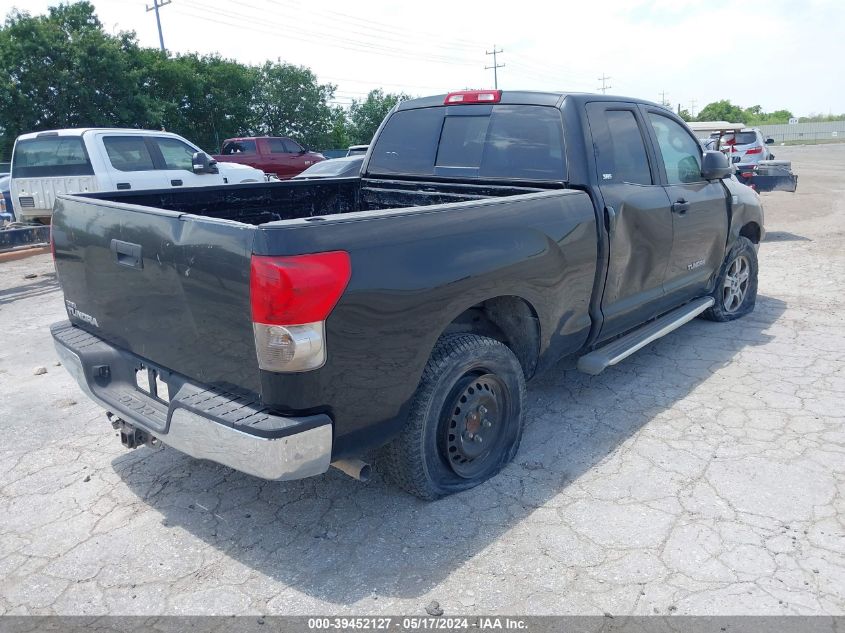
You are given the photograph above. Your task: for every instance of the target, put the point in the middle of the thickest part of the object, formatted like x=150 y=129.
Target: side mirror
x=202 y=163
x=715 y=166
x=770 y=141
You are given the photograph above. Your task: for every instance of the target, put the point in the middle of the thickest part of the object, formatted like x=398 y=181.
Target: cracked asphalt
x=704 y=475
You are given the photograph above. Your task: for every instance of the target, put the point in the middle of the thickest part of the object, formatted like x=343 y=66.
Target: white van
x=82 y=160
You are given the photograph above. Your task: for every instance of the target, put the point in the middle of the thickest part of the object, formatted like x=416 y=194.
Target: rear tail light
x=291 y=298
x=754 y=150
x=473 y=96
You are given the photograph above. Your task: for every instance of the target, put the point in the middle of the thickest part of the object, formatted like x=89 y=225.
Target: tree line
x=724 y=110
x=63 y=70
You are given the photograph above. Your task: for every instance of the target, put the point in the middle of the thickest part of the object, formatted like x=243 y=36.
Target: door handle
x=680 y=207
x=127 y=254
x=610 y=219
x=124 y=185
x=176 y=183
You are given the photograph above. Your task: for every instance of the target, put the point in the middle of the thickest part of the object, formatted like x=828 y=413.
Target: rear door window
x=516 y=142
x=238 y=147
x=128 y=153
x=51 y=156
x=620 y=149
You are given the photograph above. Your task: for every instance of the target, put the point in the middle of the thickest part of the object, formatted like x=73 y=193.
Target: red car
x=277 y=155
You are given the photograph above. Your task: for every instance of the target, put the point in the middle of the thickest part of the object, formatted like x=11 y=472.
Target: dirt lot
x=706 y=474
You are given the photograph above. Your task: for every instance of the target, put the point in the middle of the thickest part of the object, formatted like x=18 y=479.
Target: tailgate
x=170 y=287
x=40 y=193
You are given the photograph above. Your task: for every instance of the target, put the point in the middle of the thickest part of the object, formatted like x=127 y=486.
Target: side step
x=597 y=361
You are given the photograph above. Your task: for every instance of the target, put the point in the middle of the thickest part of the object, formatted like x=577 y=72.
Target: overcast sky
x=775 y=53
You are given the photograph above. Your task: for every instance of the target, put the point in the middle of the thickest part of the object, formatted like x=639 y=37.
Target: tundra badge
x=72 y=311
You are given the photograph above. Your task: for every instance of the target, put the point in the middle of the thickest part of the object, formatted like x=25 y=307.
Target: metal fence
x=806 y=132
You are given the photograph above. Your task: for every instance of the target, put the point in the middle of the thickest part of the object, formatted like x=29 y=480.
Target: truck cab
x=277 y=155
x=87 y=160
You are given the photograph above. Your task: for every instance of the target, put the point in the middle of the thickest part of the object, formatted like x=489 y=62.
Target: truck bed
x=258 y=204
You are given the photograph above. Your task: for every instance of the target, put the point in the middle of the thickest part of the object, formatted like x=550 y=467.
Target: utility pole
x=692 y=105
x=495 y=66
x=604 y=87
x=156 y=5
x=663 y=101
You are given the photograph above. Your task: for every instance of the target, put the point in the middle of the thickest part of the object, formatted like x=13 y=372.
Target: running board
x=597 y=361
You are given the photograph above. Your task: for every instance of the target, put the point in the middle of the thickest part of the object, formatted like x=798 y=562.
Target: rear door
x=637 y=214
x=129 y=162
x=699 y=209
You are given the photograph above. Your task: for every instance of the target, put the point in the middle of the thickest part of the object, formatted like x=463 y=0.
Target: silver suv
x=746 y=147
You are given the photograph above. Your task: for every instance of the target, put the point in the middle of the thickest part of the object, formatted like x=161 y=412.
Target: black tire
x=434 y=455
x=728 y=307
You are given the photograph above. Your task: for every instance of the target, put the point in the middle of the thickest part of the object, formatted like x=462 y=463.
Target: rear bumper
x=201 y=421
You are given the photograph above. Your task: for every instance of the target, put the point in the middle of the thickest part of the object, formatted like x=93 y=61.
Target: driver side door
x=699 y=210
x=177 y=157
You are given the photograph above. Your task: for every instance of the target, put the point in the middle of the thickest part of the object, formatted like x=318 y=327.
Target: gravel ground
x=704 y=475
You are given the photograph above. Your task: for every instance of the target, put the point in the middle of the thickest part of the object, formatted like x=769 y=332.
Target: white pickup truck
x=84 y=160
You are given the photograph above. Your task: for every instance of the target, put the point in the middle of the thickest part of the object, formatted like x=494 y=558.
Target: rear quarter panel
x=412 y=274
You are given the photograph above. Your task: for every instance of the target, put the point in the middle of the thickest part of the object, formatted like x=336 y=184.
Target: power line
x=663 y=101
x=692 y=105
x=495 y=66
x=157 y=4
x=604 y=87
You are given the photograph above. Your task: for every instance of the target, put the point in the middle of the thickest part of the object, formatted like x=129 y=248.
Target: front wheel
x=736 y=287
x=465 y=421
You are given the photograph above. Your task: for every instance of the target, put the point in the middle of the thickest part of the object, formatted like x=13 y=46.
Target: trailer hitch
x=131 y=436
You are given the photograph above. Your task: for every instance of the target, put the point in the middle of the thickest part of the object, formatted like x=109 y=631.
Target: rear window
x=740 y=138
x=51 y=156
x=510 y=142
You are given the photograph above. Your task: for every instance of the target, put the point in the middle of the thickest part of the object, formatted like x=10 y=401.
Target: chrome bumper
x=295 y=456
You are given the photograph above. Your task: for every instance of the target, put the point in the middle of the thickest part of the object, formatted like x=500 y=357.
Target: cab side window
x=621 y=154
x=176 y=154
x=128 y=153
x=680 y=153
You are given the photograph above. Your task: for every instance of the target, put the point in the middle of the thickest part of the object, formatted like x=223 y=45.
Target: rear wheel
x=736 y=287
x=465 y=421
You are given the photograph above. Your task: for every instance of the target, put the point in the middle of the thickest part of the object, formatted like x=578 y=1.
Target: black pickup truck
x=280 y=328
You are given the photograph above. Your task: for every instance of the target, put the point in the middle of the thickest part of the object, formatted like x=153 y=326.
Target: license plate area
x=150 y=382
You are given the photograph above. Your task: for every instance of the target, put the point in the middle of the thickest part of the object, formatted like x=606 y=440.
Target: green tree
x=365 y=116
x=722 y=110
x=61 y=70
x=203 y=98
x=289 y=101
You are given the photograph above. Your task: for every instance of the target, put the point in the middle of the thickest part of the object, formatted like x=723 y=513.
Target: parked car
x=402 y=312
x=85 y=160
x=354 y=150
x=746 y=147
x=345 y=167
x=277 y=155
x=6 y=212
